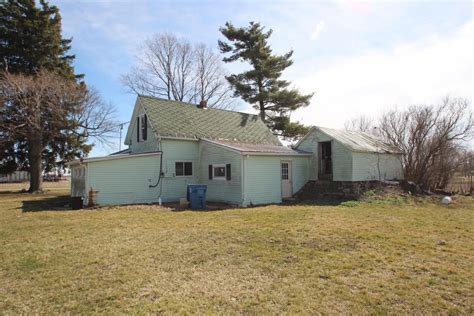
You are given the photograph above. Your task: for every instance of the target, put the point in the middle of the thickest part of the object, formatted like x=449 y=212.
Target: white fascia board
x=105 y=158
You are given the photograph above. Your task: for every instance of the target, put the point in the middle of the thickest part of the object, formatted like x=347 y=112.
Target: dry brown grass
x=368 y=258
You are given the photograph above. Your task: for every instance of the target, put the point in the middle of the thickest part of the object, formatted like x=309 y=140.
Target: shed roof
x=359 y=141
x=259 y=149
x=185 y=120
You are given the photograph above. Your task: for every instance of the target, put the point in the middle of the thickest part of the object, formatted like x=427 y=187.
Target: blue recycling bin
x=196 y=195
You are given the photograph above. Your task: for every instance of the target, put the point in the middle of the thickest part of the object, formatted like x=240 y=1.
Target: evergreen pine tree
x=31 y=42
x=262 y=85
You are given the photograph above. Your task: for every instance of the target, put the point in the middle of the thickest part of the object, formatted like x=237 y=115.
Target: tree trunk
x=262 y=111
x=35 y=146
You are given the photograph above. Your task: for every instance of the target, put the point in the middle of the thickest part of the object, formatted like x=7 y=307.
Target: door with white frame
x=286 y=180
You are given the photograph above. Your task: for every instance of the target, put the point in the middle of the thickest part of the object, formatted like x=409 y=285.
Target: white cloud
x=318 y=30
x=420 y=72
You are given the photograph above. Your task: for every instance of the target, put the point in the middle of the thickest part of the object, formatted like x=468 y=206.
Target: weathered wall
x=229 y=191
x=341 y=157
x=148 y=145
x=174 y=187
x=78 y=180
x=366 y=166
x=125 y=180
x=263 y=177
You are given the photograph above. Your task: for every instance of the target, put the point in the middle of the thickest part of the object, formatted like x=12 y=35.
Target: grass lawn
x=368 y=258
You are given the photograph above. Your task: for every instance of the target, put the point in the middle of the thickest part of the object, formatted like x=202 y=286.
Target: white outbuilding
x=341 y=155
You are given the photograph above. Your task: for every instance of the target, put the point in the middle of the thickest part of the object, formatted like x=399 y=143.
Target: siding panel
x=174 y=187
x=366 y=166
x=124 y=181
x=341 y=157
x=229 y=191
x=263 y=177
x=150 y=144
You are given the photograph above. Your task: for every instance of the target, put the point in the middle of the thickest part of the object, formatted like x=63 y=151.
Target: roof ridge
x=193 y=104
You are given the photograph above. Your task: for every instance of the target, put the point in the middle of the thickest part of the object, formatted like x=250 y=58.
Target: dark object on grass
x=76 y=203
x=410 y=186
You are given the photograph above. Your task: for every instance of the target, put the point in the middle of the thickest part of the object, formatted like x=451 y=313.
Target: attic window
x=144 y=127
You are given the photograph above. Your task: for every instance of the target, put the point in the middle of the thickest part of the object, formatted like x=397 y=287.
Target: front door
x=286 y=187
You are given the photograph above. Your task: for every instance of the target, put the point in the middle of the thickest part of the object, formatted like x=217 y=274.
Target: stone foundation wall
x=341 y=190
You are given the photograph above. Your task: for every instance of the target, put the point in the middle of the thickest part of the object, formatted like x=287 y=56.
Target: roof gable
x=185 y=120
x=131 y=124
x=355 y=141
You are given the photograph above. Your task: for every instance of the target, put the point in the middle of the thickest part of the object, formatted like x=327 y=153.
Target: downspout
x=158 y=149
x=242 y=178
x=160 y=174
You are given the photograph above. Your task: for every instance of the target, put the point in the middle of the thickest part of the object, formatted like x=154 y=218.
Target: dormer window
x=142 y=127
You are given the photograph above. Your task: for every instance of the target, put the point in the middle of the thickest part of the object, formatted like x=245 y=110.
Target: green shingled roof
x=179 y=119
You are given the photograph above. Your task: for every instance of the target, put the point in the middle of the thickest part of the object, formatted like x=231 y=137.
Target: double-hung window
x=183 y=169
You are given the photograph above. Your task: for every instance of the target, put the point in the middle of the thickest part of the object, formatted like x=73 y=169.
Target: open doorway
x=325 y=161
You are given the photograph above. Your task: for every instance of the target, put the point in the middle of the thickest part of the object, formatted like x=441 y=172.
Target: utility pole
x=121 y=128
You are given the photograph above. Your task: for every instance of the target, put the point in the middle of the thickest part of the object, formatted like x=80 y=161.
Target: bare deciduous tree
x=46 y=116
x=360 y=124
x=93 y=118
x=429 y=136
x=173 y=69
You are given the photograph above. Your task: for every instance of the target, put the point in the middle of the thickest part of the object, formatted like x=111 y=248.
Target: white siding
x=263 y=177
x=366 y=166
x=341 y=156
x=148 y=145
x=174 y=187
x=124 y=181
x=78 y=180
x=229 y=191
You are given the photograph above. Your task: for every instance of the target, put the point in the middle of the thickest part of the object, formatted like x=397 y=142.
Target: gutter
x=256 y=153
x=105 y=158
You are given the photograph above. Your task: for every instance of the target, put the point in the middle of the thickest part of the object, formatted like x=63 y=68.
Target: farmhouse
x=172 y=144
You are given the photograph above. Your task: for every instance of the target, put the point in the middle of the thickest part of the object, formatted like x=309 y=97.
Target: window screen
x=183 y=168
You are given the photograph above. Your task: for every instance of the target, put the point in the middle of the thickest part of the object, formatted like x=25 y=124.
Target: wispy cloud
x=416 y=72
x=356 y=56
x=318 y=30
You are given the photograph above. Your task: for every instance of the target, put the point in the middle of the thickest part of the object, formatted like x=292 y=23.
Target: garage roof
x=358 y=141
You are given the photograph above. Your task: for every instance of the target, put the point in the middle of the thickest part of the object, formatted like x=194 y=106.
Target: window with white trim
x=183 y=168
x=219 y=172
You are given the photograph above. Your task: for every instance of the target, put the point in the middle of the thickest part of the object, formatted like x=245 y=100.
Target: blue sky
x=359 y=58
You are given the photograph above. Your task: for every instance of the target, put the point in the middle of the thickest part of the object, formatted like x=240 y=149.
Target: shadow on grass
x=56 y=203
x=318 y=202
x=12 y=192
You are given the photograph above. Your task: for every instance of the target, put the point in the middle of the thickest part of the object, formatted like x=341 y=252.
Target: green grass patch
x=364 y=258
